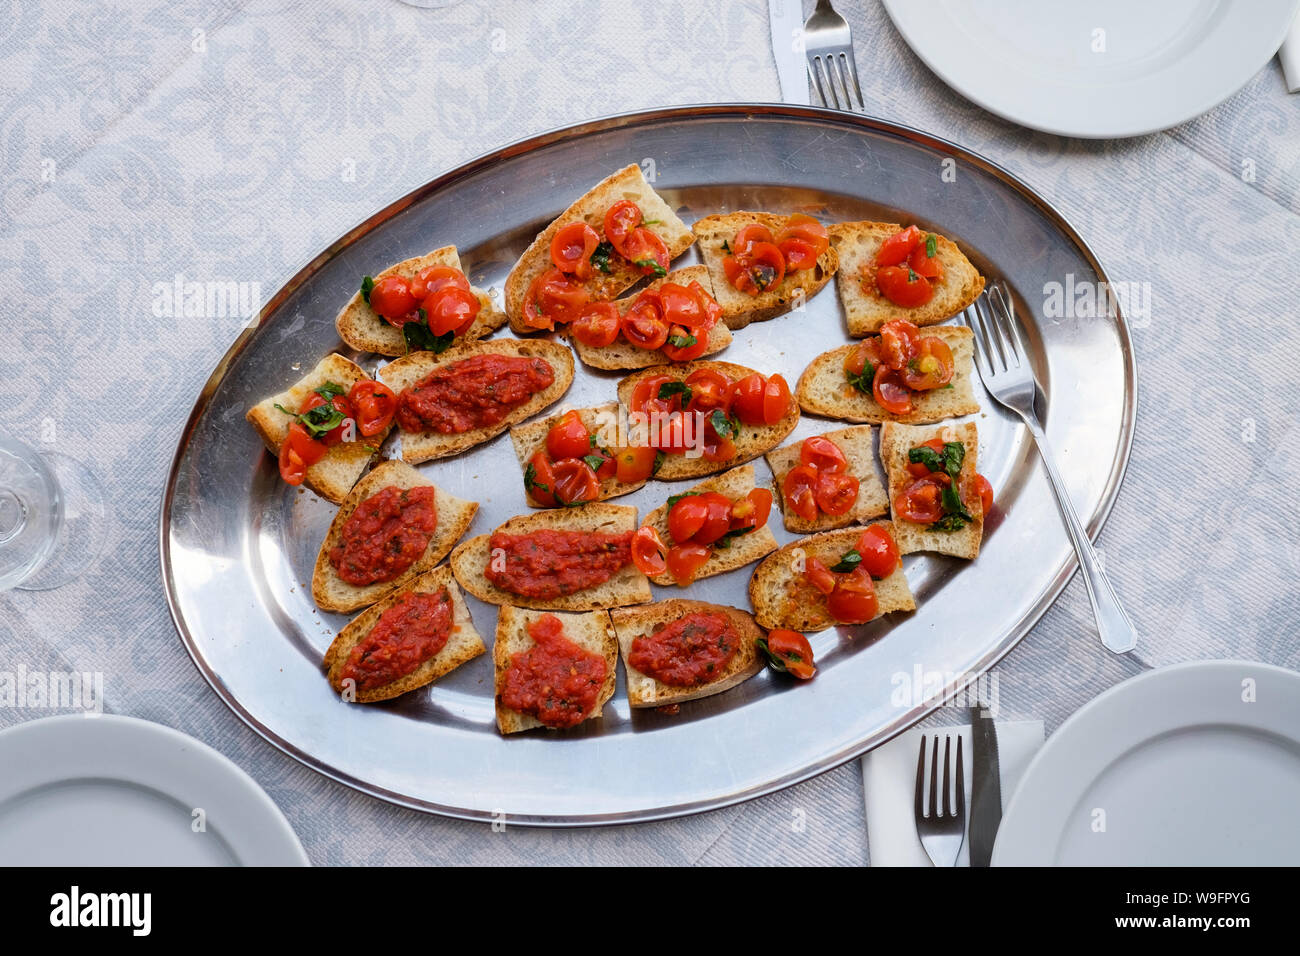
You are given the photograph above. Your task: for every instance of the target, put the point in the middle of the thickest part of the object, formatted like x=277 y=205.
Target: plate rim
x=1105 y=699
x=1018 y=630
x=1120 y=132
x=145 y=734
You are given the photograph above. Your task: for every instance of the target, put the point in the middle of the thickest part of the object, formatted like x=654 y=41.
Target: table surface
x=231 y=140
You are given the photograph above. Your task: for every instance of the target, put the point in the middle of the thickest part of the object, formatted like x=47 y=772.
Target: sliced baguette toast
x=742 y=550
x=824 y=389
x=590 y=207
x=645 y=691
x=623 y=354
x=865 y=309
x=753 y=440
x=715 y=235
x=857 y=444
x=334 y=475
x=628 y=585
x=895 y=442
x=455 y=515
x=591 y=631
x=405 y=372
x=463 y=645
x=782 y=598
x=362 y=328
x=601 y=422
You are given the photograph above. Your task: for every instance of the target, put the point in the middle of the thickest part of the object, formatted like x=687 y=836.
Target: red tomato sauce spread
x=405 y=636
x=690 y=651
x=385 y=535
x=555 y=680
x=550 y=564
x=475 y=392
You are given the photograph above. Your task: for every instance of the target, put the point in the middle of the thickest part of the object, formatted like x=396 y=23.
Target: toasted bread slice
x=824 y=389
x=782 y=598
x=332 y=593
x=645 y=691
x=623 y=354
x=362 y=328
x=715 y=235
x=895 y=442
x=857 y=445
x=591 y=631
x=865 y=309
x=590 y=207
x=741 y=550
x=752 y=441
x=408 y=370
x=334 y=475
x=601 y=422
x=628 y=586
x=463 y=645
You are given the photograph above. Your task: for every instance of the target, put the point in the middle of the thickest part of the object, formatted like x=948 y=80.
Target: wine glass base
x=84 y=530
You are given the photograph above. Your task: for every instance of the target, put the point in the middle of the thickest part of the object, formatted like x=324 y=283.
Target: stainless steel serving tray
x=237 y=545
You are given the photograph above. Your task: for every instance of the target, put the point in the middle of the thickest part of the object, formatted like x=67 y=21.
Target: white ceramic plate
x=1192 y=765
x=1154 y=64
x=117 y=791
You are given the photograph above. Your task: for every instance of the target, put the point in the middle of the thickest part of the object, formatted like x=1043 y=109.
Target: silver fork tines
x=941 y=826
x=828 y=44
x=1004 y=366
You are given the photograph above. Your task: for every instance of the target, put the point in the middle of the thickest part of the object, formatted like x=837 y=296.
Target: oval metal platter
x=238 y=545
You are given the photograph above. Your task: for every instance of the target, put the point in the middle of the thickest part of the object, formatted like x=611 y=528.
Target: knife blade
x=986 y=787
x=785 y=17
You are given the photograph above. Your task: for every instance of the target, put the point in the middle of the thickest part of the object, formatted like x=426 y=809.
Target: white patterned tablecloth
x=233 y=140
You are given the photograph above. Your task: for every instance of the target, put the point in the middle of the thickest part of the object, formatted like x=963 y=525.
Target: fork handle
x=1117 y=632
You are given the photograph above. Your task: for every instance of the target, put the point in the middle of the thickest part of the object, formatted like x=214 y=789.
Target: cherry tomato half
x=391 y=299
x=643 y=324
x=854 y=599
x=793 y=653
x=540 y=484
x=568 y=438
x=710 y=389
x=890 y=392
x=554 y=298
x=819 y=576
x=747 y=396
x=648 y=551
x=904 y=287
x=298 y=452
x=986 y=493
x=342 y=405
x=759 y=268
x=752 y=510
x=597 y=326
x=931 y=367
x=685 y=560
x=898 y=247
x=717 y=518
x=620 y=219
x=917 y=469
x=571 y=249
x=776 y=399
x=835 y=493
x=879 y=552
x=634 y=464
x=575 y=481
x=695 y=342
x=645 y=250
x=921 y=502
x=682 y=305
x=926 y=266
x=373 y=406
x=823 y=454
x=897 y=343
x=432 y=278
x=450 y=309
x=799 y=491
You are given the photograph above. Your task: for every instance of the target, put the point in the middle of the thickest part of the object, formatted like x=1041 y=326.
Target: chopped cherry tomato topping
x=634 y=464
x=931 y=367
x=897 y=343
x=926 y=266
x=802 y=241
x=898 y=247
x=643 y=324
x=568 y=438
x=798 y=253
x=432 y=278
x=685 y=560
x=776 y=400
x=686 y=517
x=879 y=551
x=298 y=452
x=571 y=249
x=823 y=454
x=819 y=576
x=799 y=491
x=620 y=219
x=342 y=405
x=835 y=493
x=373 y=405
x=575 y=481
x=645 y=250
x=755 y=270
x=647 y=391
x=748 y=235
x=921 y=502
x=792 y=652
x=450 y=309
x=391 y=299
x=597 y=326
x=854 y=599
x=747 y=399
x=752 y=510
x=682 y=305
x=890 y=392
x=648 y=551
x=918 y=470
x=904 y=287
x=709 y=390
x=717 y=518
x=539 y=482
x=554 y=298
x=986 y=493
x=867 y=351
x=693 y=343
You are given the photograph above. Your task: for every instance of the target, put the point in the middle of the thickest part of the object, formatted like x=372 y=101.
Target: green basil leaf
x=530 y=479
x=724 y=426
x=668 y=389
x=931 y=246
x=657 y=270
x=420 y=339
x=600 y=258
x=673 y=499
x=862 y=381
x=594 y=461
x=849 y=561
x=682 y=341
x=732 y=535
x=923 y=455
x=367 y=283
x=659 y=461
x=329 y=390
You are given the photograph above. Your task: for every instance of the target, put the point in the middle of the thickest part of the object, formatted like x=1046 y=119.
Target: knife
x=986 y=787
x=785 y=17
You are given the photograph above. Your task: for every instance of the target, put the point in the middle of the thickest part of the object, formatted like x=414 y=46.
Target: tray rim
x=1018 y=631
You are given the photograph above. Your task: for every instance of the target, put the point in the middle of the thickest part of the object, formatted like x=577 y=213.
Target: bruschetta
x=936 y=492
x=573 y=457
x=828 y=481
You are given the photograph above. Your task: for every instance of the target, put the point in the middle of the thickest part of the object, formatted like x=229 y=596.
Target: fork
x=828 y=44
x=1001 y=357
x=940 y=827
